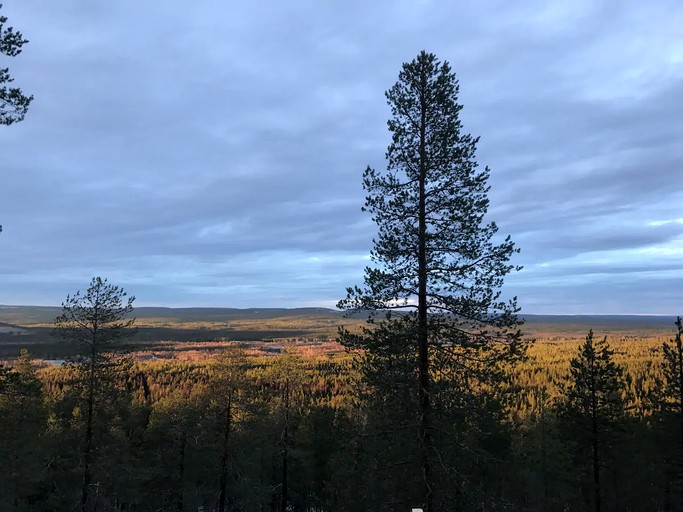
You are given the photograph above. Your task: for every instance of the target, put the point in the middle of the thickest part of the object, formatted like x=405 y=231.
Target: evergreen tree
x=13 y=102
x=23 y=421
x=595 y=402
x=285 y=394
x=436 y=260
x=227 y=389
x=179 y=477
x=94 y=320
x=672 y=403
x=544 y=462
x=673 y=374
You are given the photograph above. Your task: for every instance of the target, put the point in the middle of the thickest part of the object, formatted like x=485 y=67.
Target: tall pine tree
x=436 y=260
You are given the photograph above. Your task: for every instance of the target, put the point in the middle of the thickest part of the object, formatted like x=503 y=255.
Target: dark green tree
x=13 y=102
x=436 y=260
x=177 y=439
x=284 y=392
x=595 y=403
x=673 y=373
x=543 y=456
x=672 y=405
x=23 y=422
x=227 y=388
x=94 y=320
x=286 y=388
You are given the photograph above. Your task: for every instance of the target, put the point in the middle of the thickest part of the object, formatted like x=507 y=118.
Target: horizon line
x=334 y=310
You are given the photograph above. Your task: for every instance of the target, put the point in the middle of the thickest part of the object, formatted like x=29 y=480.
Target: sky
x=210 y=153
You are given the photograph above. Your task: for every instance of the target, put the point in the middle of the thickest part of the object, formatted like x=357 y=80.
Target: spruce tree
x=437 y=261
x=595 y=402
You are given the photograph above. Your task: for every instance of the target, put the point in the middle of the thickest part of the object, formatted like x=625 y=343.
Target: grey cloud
x=589 y=239
x=195 y=136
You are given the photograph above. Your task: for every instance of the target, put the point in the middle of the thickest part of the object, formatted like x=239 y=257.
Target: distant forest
x=304 y=431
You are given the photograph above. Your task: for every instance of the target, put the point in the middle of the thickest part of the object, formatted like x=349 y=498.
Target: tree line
x=244 y=432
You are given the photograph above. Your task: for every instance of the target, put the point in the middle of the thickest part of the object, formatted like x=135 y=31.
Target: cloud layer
x=211 y=154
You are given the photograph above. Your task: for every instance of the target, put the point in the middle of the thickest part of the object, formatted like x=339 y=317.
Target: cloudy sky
x=210 y=153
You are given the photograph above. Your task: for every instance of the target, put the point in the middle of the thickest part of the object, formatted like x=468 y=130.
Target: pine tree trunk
x=87 y=455
x=285 y=454
x=544 y=464
x=224 y=457
x=667 y=484
x=285 y=475
x=423 y=348
x=596 y=454
x=680 y=390
x=262 y=467
x=679 y=347
x=180 y=504
x=596 y=473
x=15 y=458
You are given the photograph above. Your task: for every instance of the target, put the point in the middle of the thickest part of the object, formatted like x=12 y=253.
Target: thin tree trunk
x=285 y=490
x=596 y=473
x=15 y=458
x=263 y=470
x=667 y=484
x=224 y=457
x=180 y=505
x=680 y=388
x=679 y=346
x=423 y=348
x=274 y=478
x=285 y=454
x=594 y=428
x=87 y=455
x=544 y=462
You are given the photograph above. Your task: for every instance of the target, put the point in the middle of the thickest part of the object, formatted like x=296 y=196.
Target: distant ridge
x=602 y=325
x=616 y=319
x=27 y=315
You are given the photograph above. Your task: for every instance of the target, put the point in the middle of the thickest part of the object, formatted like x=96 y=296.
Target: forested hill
x=31 y=315
x=546 y=324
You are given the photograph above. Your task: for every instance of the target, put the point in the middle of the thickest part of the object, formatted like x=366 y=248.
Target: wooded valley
x=302 y=431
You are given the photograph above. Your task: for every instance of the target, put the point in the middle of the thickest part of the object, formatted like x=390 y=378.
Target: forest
x=299 y=431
